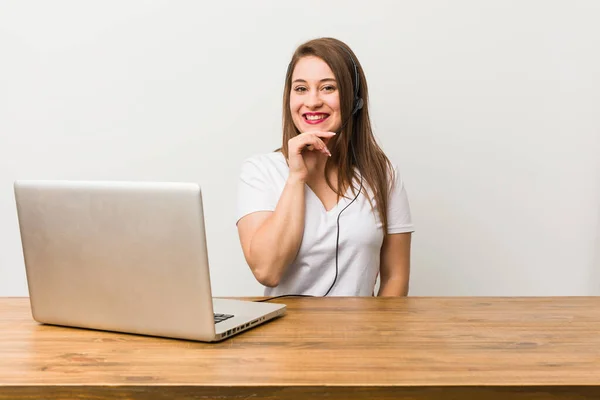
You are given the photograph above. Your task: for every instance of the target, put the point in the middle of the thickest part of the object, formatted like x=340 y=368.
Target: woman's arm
x=271 y=239
x=395 y=265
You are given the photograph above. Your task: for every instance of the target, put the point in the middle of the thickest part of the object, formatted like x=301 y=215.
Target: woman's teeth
x=315 y=117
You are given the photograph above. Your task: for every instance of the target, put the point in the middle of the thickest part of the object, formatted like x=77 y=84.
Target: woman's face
x=314 y=97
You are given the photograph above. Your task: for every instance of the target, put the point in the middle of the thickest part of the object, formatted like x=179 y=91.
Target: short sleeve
x=255 y=189
x=399 y=215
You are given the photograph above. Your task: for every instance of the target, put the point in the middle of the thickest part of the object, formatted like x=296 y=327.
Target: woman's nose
x=313 y=100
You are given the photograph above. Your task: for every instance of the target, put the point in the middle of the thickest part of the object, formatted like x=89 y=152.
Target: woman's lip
x=315 y=121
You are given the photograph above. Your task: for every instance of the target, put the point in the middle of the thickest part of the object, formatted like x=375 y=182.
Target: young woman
x=328 y=212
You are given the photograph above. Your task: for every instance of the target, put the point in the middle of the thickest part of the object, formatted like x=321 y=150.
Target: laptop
x=125 y=257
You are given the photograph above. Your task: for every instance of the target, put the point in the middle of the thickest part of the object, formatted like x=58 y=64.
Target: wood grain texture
x=298 y=393
x=414 y=348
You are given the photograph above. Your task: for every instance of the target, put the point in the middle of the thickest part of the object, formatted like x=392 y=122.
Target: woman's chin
x=327 y=127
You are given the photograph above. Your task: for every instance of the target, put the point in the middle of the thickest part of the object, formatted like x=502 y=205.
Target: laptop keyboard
x=222 y=317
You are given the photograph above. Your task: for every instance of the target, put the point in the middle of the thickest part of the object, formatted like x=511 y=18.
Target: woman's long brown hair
x=371 y=162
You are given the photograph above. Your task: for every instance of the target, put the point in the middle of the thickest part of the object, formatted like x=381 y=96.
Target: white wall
x=491 y=109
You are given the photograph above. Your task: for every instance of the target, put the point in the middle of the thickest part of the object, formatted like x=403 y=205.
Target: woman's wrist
x=296 y=179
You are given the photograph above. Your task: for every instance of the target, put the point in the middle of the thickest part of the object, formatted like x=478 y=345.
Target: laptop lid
x=117 y=256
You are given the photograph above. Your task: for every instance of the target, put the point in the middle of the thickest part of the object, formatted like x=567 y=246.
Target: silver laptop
x=126 y=257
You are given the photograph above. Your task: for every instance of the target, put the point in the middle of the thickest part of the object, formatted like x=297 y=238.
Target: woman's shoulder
x=265 y=162
x=390 y=167
x=274 y=157
x=394 y=173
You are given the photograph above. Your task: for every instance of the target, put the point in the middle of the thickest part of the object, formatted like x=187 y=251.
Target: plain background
x=491 y=109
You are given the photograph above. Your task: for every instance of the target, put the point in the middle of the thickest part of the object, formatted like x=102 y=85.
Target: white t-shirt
x=262 y=180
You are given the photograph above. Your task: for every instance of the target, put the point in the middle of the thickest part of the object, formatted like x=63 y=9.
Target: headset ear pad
x=358 y=104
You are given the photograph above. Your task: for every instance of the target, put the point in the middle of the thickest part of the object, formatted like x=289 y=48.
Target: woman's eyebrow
x=322 y=80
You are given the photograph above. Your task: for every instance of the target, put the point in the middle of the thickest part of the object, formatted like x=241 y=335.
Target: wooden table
x=347 y=348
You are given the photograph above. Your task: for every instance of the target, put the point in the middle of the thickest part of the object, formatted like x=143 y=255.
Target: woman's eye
x=300 y=89
x=329 y=88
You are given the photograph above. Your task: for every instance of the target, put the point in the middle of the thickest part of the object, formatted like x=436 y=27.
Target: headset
x=356 y=106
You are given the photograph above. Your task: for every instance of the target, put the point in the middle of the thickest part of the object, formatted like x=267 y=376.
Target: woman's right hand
x=304 y=151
